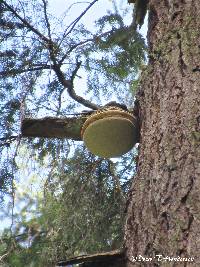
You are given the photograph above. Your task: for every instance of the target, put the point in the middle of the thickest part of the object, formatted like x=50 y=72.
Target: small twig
x=6 y=141
x=60 y=101
x=12 y=137
x=74 y=47
x=22 y=7
x=73 y=23
x=46 y=19
x=79 y=2
x=96 y=37
x=5 y=255
x=78 y=65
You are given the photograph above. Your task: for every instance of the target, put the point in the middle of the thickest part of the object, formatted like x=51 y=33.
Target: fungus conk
x=110 y=132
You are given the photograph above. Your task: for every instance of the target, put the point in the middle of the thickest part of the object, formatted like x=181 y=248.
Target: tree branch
x=12 y=137
x=46 y=19
x=73 y=23
x=95 y=38
x=19 y=71
x=26 y=23
x=20 y=237
x=6 y=141
x=78 y=65
x=68 y=84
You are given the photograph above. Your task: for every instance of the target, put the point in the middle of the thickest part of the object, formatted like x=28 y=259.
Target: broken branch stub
x=69 y=128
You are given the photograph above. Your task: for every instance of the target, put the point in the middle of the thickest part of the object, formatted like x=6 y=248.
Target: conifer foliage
x=52 y=66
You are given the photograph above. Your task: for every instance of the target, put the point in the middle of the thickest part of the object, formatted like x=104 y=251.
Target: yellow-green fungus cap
x=109 y=132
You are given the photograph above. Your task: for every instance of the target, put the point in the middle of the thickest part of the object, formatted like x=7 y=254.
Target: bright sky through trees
x=70 y=11
x=51 y=171
x=59 y=9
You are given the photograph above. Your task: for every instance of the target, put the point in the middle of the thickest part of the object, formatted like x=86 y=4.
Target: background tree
x=164 y=200
x=41 y=61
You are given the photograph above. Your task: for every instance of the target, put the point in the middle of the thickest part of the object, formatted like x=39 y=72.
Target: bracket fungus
x=110 y=132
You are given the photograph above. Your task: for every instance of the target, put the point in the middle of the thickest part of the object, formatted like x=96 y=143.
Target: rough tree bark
x=163 y=213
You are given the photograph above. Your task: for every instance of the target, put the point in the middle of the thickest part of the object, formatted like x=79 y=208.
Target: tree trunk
x=163 y=213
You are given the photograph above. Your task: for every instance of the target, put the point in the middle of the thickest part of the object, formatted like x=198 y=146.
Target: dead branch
x=69 y=128
x=99 y=259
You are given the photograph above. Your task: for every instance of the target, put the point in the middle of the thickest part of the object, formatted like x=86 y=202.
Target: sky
x=58 y=8
x=99 y=9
